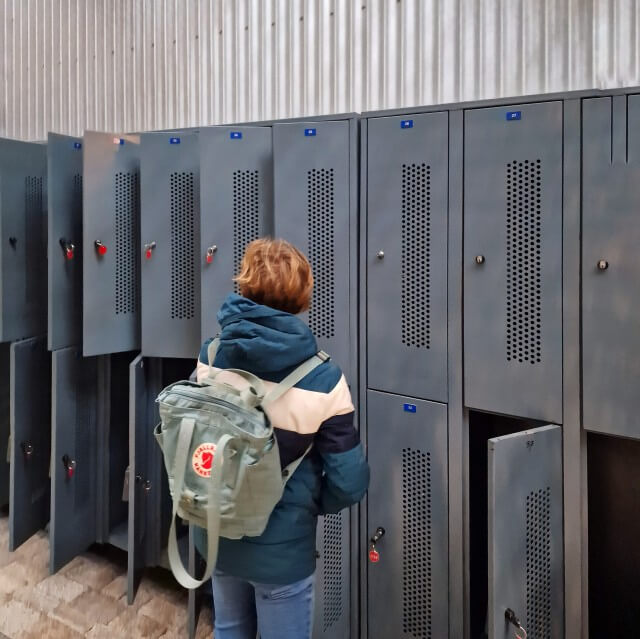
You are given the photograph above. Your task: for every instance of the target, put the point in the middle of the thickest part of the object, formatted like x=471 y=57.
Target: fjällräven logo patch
x=202 y=459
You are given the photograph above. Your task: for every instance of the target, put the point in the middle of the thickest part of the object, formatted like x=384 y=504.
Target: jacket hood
x=261 y=339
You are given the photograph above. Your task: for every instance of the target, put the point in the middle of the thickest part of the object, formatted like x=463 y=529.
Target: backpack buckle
x=323 y=356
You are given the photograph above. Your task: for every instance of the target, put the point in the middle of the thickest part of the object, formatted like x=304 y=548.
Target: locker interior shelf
x=614 y=530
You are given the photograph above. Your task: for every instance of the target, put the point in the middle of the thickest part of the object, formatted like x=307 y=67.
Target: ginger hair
x=275 y=273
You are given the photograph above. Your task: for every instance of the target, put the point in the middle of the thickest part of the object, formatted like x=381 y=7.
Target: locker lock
x=67 y=248
x=146 y=486
x=210 y=252
x=148 y=249
x=603 y=265
x=374 y=555
x=27 y=450
x=480 y=259
x=100 y=248
x=69 y=466
x=380 y=255
x=13 y=241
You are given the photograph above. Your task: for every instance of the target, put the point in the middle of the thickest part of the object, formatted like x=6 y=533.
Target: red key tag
x=148 y=254
x=209 y=258
x=374 y=556
x=69 y=253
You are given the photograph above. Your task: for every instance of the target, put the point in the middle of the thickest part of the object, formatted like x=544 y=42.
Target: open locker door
x=30 y=400
x=74 y=452
x=4 y=424
x=144 y=492
x=525 y=533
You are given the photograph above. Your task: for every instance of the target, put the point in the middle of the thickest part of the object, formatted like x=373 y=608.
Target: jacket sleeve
x=345 y=476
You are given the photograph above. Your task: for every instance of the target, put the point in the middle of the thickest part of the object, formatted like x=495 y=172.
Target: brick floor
x=87 y=598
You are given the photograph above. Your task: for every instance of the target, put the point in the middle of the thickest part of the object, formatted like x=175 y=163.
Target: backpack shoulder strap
x=295 y=376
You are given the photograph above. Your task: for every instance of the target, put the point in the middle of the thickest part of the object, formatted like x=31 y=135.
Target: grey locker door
x=74 y=451
x=30 y=439
x=513 y=260
x=146 y=523
x=611 y=265
x=64 y=155
x=111 y=223
x=23 y=245
x=170 y=248
x=311 y=210
x=406 y=254
x=332 y=612
x=5 y=428
x=525 y=533
x=236 y=165
x=407 y=588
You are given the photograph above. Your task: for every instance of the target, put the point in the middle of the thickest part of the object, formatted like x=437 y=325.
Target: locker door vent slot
x=539 y=564
x=34 y=230
x=332 y=569
x=416 y=255
x=416 y=543
x=524 y=256
x=182 y=246
x=127 y=206
x=77 y=189
x=246 y=217
x=321 y=217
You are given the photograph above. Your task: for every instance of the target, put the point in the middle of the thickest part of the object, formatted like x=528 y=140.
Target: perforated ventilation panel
x=416 y=543
x=246 y=215
x=127 y=204
x=416 y=255
x=321 y=230
x=524 y=255
x=34 y=231
x=332 y=569
x=539 y=564
x=77 y=190
x=182 y=246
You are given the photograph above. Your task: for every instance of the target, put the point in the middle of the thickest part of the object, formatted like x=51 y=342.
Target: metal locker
x=23 y=247
x=408 y=586
x=406 y=255
x=311 y=163
x=332 y=609
x=74 y=455
x=111 y=229
x=30 y=439
x=4 y=423
x=170 y=250
x=64 y=166
x=145 y=521
x=513 y=260
x=611 y=265
x=525 y=533
x=236 y=192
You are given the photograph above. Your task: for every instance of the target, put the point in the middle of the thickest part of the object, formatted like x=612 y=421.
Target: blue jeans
x=243 y=608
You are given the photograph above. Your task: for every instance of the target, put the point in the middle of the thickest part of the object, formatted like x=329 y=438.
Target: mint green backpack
x=222 y=457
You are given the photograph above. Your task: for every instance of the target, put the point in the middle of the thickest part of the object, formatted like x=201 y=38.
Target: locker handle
x=100 y=247
x=377 y=535
x=148 y=249
x=380 y=255
x=67 y=248
x=13 y=241
x=480 y=259
x=603 y=265
x=69 y=466
x=27 y=450
x=210 y=252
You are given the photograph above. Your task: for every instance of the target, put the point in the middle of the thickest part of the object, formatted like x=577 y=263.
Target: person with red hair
x=265 y=584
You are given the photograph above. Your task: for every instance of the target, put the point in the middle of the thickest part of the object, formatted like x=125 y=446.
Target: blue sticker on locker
x=309 y=132
x=77 y=145
x=410 y=408
x=513 y=115
x=406 y=124
x=236 y=135
x=119 y=141
x=174 y=140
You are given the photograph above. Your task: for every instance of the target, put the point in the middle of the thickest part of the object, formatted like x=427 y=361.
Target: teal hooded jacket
x=319 y=411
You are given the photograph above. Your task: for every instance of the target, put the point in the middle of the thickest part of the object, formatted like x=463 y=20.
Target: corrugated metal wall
x=67 y=65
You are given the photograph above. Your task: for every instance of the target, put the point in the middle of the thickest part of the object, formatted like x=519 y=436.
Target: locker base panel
x=614 y=530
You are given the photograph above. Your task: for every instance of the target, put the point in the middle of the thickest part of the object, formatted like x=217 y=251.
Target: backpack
x=222 y=458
